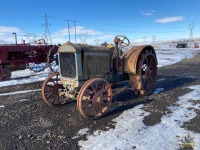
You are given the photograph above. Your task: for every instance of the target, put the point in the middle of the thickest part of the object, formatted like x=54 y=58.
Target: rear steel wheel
x=5 y=73
x=53 y=92
x=94 y=98
x=146 y=72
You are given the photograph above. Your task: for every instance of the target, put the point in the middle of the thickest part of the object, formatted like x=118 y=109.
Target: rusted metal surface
x=118 y=63
x=131 y=58
x=53 y=92
x=96 y=64
x=94 y=98
x=144 y=80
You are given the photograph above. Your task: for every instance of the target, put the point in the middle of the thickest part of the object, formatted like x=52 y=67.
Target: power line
x=31 y=37
x=74 y=23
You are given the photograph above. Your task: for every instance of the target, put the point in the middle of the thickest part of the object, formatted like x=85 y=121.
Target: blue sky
x=99 y=20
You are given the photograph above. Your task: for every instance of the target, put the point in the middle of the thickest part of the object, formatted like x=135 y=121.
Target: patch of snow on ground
x=131 y=133
x=158 y=90
x=172 y=56
x=20 y=92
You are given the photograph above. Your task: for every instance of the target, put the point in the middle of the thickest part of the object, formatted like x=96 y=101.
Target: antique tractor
x=20 y=56
x=87 y=74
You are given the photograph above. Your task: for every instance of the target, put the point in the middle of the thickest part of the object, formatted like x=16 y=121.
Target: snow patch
x=131 y=133
x=158 y=90
x=20 y=92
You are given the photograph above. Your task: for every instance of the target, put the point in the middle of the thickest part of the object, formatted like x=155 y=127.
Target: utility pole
x=46 y=24
x=69 y=28
x=75 y=30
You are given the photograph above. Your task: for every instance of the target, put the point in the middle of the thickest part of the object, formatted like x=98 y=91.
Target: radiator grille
x=67 y=65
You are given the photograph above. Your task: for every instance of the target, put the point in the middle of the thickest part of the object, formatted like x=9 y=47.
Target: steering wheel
x=121 y=42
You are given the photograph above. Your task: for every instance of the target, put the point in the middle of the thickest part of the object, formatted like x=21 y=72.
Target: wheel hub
x=56 y=88
x=96 y=100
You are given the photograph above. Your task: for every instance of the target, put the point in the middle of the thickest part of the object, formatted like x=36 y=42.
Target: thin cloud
x=82 y=34
x=6 y=34
x=169 y=19
x=148 y=13
x=6 y=30
x=79 y=30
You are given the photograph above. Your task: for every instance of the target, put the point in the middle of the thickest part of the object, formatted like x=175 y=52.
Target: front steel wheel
x=53 y=92
x=94 y=98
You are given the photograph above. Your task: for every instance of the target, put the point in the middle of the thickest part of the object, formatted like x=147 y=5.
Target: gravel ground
x=27 y=123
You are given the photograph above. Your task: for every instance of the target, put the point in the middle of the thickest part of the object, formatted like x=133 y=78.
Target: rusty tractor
x=20 y=56
x=87 y=74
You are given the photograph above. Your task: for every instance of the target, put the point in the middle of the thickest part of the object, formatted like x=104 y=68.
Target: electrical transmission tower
x=83 y=37
x=31 y=37
x=46 y=25
x=97 y=42
x=191 y=28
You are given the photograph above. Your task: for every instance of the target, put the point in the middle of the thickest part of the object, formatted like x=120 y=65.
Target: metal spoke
x=93 y=89
x=49 y=86
x=146 y=61
x=51 y=89
x=53 y=81
x=99 y=100
x=150 y=63
x=144 y=82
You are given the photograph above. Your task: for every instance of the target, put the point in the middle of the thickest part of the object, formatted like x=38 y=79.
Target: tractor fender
x=131 y=57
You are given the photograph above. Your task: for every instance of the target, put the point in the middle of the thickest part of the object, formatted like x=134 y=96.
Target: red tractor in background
x=20 y=56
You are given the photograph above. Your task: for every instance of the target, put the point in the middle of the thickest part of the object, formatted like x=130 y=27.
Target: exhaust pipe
x=15 y=37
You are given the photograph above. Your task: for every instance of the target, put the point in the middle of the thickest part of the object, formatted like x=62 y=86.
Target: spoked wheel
x=5 y=73
x=94 y=98
x=53 y=91
x=147 y=72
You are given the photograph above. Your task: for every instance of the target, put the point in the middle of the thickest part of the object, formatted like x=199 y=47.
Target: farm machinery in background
x=21 y=56
x=87 y=74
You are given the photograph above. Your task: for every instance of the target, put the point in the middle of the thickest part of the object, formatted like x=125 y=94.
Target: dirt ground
x=27 y=123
